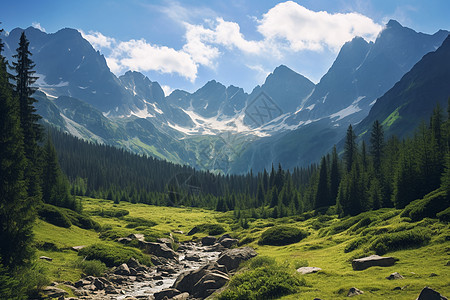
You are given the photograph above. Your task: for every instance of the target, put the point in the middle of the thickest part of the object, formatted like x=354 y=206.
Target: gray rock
x=166 y=241
x=98 y=284
x=169 y=293
x=46 y=258
x=209 y=283
x=225 y=236
x=186 y=281
x=54 y=292
x=124 y=240
x=430 y=294
x=81 y=283
x=394 y=275
x=233 y=257
x=133 y=263
x=111 y=290
x=178 y=232
x=160 y=250
x=208 y=240
x=77 y=248
x=192 y=257
x=193 y=231
x=227 y=242
x=122 y=270
x=182 y=296
x=136 y=236
x=371 y=261
x=354 y=292
x=308 y=270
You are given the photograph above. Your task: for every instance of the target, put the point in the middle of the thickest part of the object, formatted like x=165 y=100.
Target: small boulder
x=136 y=236
x=46 y=258
x=178 y=232
x=354 y=292
x=308 y=270
x=54 y=292
x=227 y=242
x=77 y=248
x=111 y=290
x=169 y=293
x=122 y=270
x=430 y=294
x=192 y=257
x=225 y=236
x=182 y=296
x=394 y=275
x=157 y=249
x=371 y=261
x=208 y=240
x=166 y=241
x=233 y=257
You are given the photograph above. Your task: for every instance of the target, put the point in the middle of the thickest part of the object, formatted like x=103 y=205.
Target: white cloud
x=98 y=40
x=38 y=26
x=139 y=55
x=304 y=29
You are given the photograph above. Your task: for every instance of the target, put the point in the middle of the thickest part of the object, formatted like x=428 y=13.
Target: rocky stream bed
x=193 y=271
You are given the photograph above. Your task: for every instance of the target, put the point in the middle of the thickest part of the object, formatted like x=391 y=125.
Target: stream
x=152 y=285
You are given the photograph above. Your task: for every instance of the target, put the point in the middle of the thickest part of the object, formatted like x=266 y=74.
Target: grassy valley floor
x=331 y=244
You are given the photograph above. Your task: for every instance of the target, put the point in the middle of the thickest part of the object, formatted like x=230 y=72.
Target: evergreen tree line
x=29 y=171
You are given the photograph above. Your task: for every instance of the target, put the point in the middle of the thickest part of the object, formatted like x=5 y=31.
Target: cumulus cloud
x=304 y=29
x=139 y=55
x=167 y=90
x=98 y=40
x=38 y=26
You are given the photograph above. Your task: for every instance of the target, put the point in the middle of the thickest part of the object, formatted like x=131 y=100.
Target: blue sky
x=184 y=44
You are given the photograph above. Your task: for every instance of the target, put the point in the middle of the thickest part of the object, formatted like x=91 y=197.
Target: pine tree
x=349 y=148
x=322 y=193
x=50 y=174
x=28 y=118
x=335 y=176
x=17 y=213
x=377 y=145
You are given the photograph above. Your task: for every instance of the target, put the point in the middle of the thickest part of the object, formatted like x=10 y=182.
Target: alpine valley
x=398 y=79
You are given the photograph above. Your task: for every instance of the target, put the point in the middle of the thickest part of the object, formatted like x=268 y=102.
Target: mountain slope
x=414 y=97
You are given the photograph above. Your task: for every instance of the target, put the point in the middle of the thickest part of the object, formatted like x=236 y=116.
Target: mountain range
x=288 y=119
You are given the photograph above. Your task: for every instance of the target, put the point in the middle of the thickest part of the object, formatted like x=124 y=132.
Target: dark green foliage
x=16 y=208
x=355 y=244
x=350 y=149
x=211 y=229
x=323 y=190
x=427 y=207
x=53 y=215
x=113 y=255
x=377 y=145
x=80 y=220
x=265 y=280
x=91 y=267
x=109 y=213
x=444 y=215
x=400 y=240
x=282 y=235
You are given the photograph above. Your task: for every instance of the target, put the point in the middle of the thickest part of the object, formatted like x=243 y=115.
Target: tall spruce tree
x=31 y=130
x=16 y=211
x=377 y=145
x=335 y=176
x=350 y=148
x=322 y=192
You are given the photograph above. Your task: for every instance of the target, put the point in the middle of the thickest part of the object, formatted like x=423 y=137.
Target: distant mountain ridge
x=80 y=95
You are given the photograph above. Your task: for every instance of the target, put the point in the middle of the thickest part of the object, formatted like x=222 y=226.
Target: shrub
x=355 y=244
x=344 y=224
x=113 y=255
x=282 y=235
x=267 y=282
x=110 y=213
x=211 y=229
x=91 y=267
x=138 y=222
x=261 y=261
x=427 y=207
x=400 y=240
x=444 y=215
x=246 y=240
x=54 y=215
x=81 y=220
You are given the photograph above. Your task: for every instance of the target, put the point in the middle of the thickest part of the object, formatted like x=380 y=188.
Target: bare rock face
x=430 y=294
x=371 y=261
x=354 y=292
x=308 y=270
x=233 y=257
